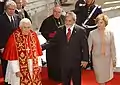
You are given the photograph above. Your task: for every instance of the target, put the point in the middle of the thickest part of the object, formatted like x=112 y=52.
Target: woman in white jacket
x=101 y=42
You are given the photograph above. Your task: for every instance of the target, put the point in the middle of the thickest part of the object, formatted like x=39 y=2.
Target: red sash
x=24 y=55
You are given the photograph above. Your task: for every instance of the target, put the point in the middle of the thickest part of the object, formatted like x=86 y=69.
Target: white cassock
x=42 y=41
x=13 y=67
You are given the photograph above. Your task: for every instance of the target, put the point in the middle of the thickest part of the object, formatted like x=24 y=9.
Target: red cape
x=10 y=51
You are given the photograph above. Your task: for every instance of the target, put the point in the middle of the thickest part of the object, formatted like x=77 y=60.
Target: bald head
x=57 y=11
x=25 y=24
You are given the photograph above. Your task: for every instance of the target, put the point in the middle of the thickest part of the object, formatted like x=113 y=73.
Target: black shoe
x=91 y=68
x=44 y=63
x=5 y=83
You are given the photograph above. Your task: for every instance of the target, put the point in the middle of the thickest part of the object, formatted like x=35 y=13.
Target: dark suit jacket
x=72 y=52
x=6 y=28
x=50 y=25
x=25 y=13
x=1 y=7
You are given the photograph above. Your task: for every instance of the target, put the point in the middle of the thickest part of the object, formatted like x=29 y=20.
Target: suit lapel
x=64 y=30
x=6 y=17
x=15 y=21
x=73 y=33
x=64 y=33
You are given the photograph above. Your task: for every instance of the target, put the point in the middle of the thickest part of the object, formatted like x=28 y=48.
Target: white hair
x=71 y=14
x=10 y=2
x=23 y=21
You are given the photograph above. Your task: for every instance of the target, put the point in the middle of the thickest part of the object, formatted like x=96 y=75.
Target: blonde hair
x=102 y=17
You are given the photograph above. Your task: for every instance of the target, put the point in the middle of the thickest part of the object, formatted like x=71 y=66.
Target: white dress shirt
x=71 y=28
x=10 y=17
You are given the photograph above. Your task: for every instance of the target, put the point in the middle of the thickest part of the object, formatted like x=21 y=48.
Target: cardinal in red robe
x=23 y=53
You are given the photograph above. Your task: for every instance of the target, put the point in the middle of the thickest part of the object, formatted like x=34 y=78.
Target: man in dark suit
x=72 y=49
x=22 y=13
x=48 y=29
x=8 y=23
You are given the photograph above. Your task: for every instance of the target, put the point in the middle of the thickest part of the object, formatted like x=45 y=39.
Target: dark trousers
x=90 y=62
x=53 y=64
x=73 y=73
x=4 y=66
x=1 y=8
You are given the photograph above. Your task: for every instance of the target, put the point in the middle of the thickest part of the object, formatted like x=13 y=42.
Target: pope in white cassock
x=23 y=53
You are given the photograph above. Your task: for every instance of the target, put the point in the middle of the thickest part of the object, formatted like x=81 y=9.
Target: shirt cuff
x=39 y=61
x=15 y=65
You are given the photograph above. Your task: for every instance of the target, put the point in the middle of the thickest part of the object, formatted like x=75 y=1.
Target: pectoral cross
x=28 y=49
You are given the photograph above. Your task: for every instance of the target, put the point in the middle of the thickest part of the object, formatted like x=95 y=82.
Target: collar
x=19 y=10
x=71 y=28
x=9 y=17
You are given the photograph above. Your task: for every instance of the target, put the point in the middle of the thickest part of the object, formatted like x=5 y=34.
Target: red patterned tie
x=68 y=34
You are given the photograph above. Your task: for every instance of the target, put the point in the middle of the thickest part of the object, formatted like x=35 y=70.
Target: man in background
x=22 y=13
x=24 y=3
x=48 y=29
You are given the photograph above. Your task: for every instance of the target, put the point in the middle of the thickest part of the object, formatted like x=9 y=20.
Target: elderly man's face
x=69 y=21
x=26 y=28
x=11 y=10
x=19 y=4
x=57 y=11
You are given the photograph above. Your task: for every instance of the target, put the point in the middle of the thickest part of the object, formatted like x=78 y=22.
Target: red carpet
x=88 y=78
